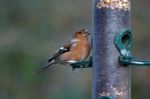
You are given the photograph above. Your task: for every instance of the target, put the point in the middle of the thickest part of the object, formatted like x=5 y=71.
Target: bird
x=76 y=49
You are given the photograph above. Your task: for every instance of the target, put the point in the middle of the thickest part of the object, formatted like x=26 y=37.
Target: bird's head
x=81 y=34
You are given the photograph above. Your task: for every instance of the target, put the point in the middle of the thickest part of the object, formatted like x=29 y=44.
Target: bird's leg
x=81 y=67
x=71 y=62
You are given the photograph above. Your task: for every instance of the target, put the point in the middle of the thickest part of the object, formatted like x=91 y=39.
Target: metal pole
x=110 y=78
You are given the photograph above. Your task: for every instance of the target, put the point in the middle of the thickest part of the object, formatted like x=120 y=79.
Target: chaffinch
x=77 y=49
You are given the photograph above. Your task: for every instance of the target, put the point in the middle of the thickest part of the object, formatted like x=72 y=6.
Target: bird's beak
x=86 y=33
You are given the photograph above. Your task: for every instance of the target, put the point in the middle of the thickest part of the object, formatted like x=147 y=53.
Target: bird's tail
x=51 y=60
x=45 y=66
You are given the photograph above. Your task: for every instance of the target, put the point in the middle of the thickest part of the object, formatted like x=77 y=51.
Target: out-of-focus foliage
x=30 y=30
x=141 y=48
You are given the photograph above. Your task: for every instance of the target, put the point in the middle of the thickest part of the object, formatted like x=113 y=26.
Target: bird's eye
x=79 y=32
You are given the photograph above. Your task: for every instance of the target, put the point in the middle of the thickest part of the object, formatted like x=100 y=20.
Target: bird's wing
x=67 y=46
x=51 y=60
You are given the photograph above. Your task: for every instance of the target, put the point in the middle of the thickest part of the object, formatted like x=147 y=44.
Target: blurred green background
x=30 y=30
